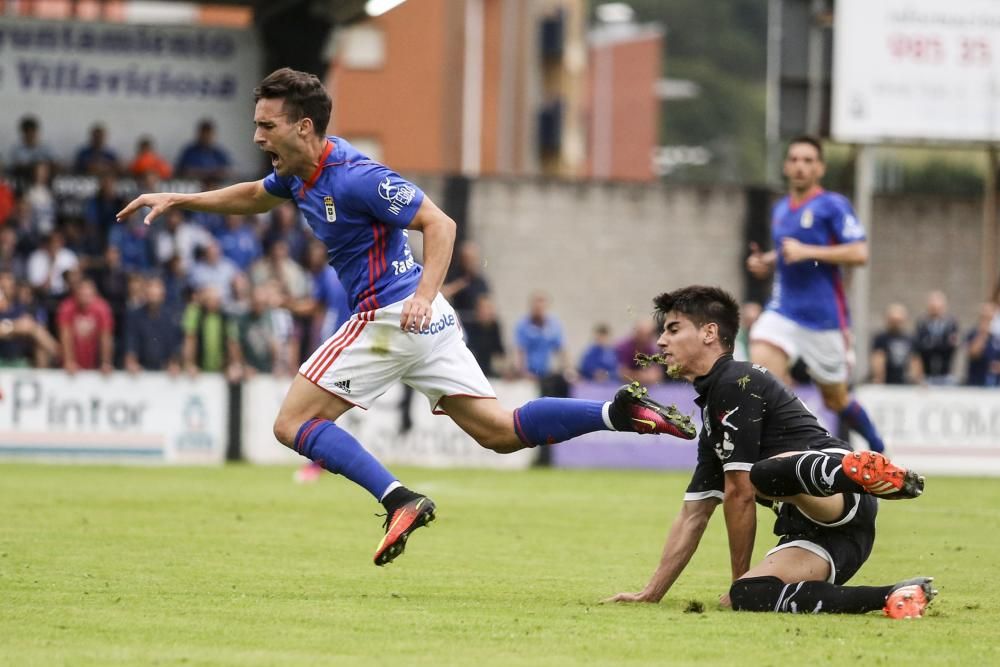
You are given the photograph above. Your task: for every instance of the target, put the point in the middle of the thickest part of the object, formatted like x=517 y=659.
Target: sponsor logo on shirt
x=439 y=325
x=724 y=449
x=852 y=228
x=398 y=196
x=331 y=211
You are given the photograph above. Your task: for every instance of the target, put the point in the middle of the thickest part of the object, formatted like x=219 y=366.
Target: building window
x=362 y=47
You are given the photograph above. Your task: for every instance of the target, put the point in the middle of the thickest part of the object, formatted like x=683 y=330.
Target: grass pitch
x=238 y=565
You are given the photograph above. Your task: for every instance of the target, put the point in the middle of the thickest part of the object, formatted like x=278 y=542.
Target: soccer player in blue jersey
x=815 y=233
x=401 y=328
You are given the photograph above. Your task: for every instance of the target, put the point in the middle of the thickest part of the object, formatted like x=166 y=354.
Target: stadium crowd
x=253 y=294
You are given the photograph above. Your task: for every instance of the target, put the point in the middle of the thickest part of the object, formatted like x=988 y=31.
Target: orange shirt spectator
x=85 y=330
x=147 y=160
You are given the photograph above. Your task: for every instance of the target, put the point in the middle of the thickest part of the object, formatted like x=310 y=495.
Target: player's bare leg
x=773 y=358
x=489 y=423
x=305 y=423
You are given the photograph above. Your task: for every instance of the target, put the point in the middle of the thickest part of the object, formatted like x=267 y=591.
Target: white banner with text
x=119 y=418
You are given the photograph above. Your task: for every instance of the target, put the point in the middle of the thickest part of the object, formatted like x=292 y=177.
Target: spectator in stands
x=239 y=242
x=540 y=349
x=286 y=224
x=203 y=158
x=7 y=199
x=95 y=157
x=464 y=290
x=148 y=161
x=86 y=330
x=749 y=312
x=132 y=239
x=982 y=347
x=175 y=236
x=48 y=264
x=23 y=339
x=257 y=335
x=642 y=340
x=99 y=215
x=30 y=151
x=894 y=357
x=599 y=362
x=484 y=338
x=209 y=343
x=152 y=332
x=40 y=200
x=937 y=340
x=278 y=266
x=330 y=306
x=214 y=270
x=11 y=260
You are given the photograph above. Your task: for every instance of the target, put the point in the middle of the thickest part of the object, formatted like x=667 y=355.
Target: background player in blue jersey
x=401 y=328
x=815 y=233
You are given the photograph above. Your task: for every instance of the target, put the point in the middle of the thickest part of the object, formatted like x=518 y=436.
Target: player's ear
x=710 y=333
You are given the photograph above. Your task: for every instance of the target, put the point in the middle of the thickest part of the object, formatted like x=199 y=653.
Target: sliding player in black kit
x=760 y=442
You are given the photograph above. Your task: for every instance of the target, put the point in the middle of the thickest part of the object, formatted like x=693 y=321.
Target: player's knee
x=498 y=441
x=285 y=430
x=755 y=593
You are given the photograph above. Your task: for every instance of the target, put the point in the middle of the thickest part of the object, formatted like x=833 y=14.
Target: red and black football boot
x=633 y=410
x=881 y=477
x=398 y=526
x=909 y=599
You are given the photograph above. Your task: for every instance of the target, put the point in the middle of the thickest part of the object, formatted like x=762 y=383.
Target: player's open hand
x=158 y=203
x=793 y=250
x=642 y=596
x=416 y=314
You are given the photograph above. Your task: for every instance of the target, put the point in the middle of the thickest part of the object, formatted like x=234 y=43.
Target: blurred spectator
x=148 y=161
x=599 y=362
x=6 y=199
x=539 y=335
x=749 y=312
x=132 y=238
x=641 y=340
x=22 y=338
x=330 y=306
x=175 y=236
x=40 y=200
x=468 y=285
x=983 y=350
x=286 y=224
x=278 y=266
x=937 y=340
x=239 y=242
x=484 y=339
x=30 y=151
x=209 y=343
x=214 y=270
x=203 y=158
x=86 y=330
x=95 y=157
x=11 y=260
x=153 y=333
x=99 y=215
x=265 y=334
x=894 y=358
x=48 y=264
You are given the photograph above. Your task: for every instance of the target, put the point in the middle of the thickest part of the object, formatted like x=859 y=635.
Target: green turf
x=238 y=565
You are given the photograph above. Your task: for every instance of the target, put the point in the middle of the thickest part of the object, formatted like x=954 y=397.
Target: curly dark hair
x=702 y=305
x=303 y=94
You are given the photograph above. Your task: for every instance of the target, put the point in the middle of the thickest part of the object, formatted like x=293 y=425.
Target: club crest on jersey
x=807 y=219
x=331 y=211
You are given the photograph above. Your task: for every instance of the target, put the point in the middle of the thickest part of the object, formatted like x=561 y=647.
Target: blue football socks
x=858 y=420
x=545 y=421
x=338 y=451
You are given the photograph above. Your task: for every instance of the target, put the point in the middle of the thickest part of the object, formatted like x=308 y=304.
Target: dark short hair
x=702 y=305
x=303 y=94
x=808 y=139
x=29 y=123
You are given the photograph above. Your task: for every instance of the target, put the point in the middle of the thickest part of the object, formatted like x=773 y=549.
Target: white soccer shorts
x=824 y=351
x=369 y=353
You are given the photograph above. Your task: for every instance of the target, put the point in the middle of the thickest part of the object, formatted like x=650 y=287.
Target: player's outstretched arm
x=682 y=541
x=237 y=199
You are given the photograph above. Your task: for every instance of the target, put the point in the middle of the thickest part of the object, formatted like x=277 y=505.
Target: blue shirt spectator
x=539 y=336
x=982 y=346
x=133 y=242
x=239 y=242
x=599 y=362
x=96 y=157
x=153 y=333
x=203 y=158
